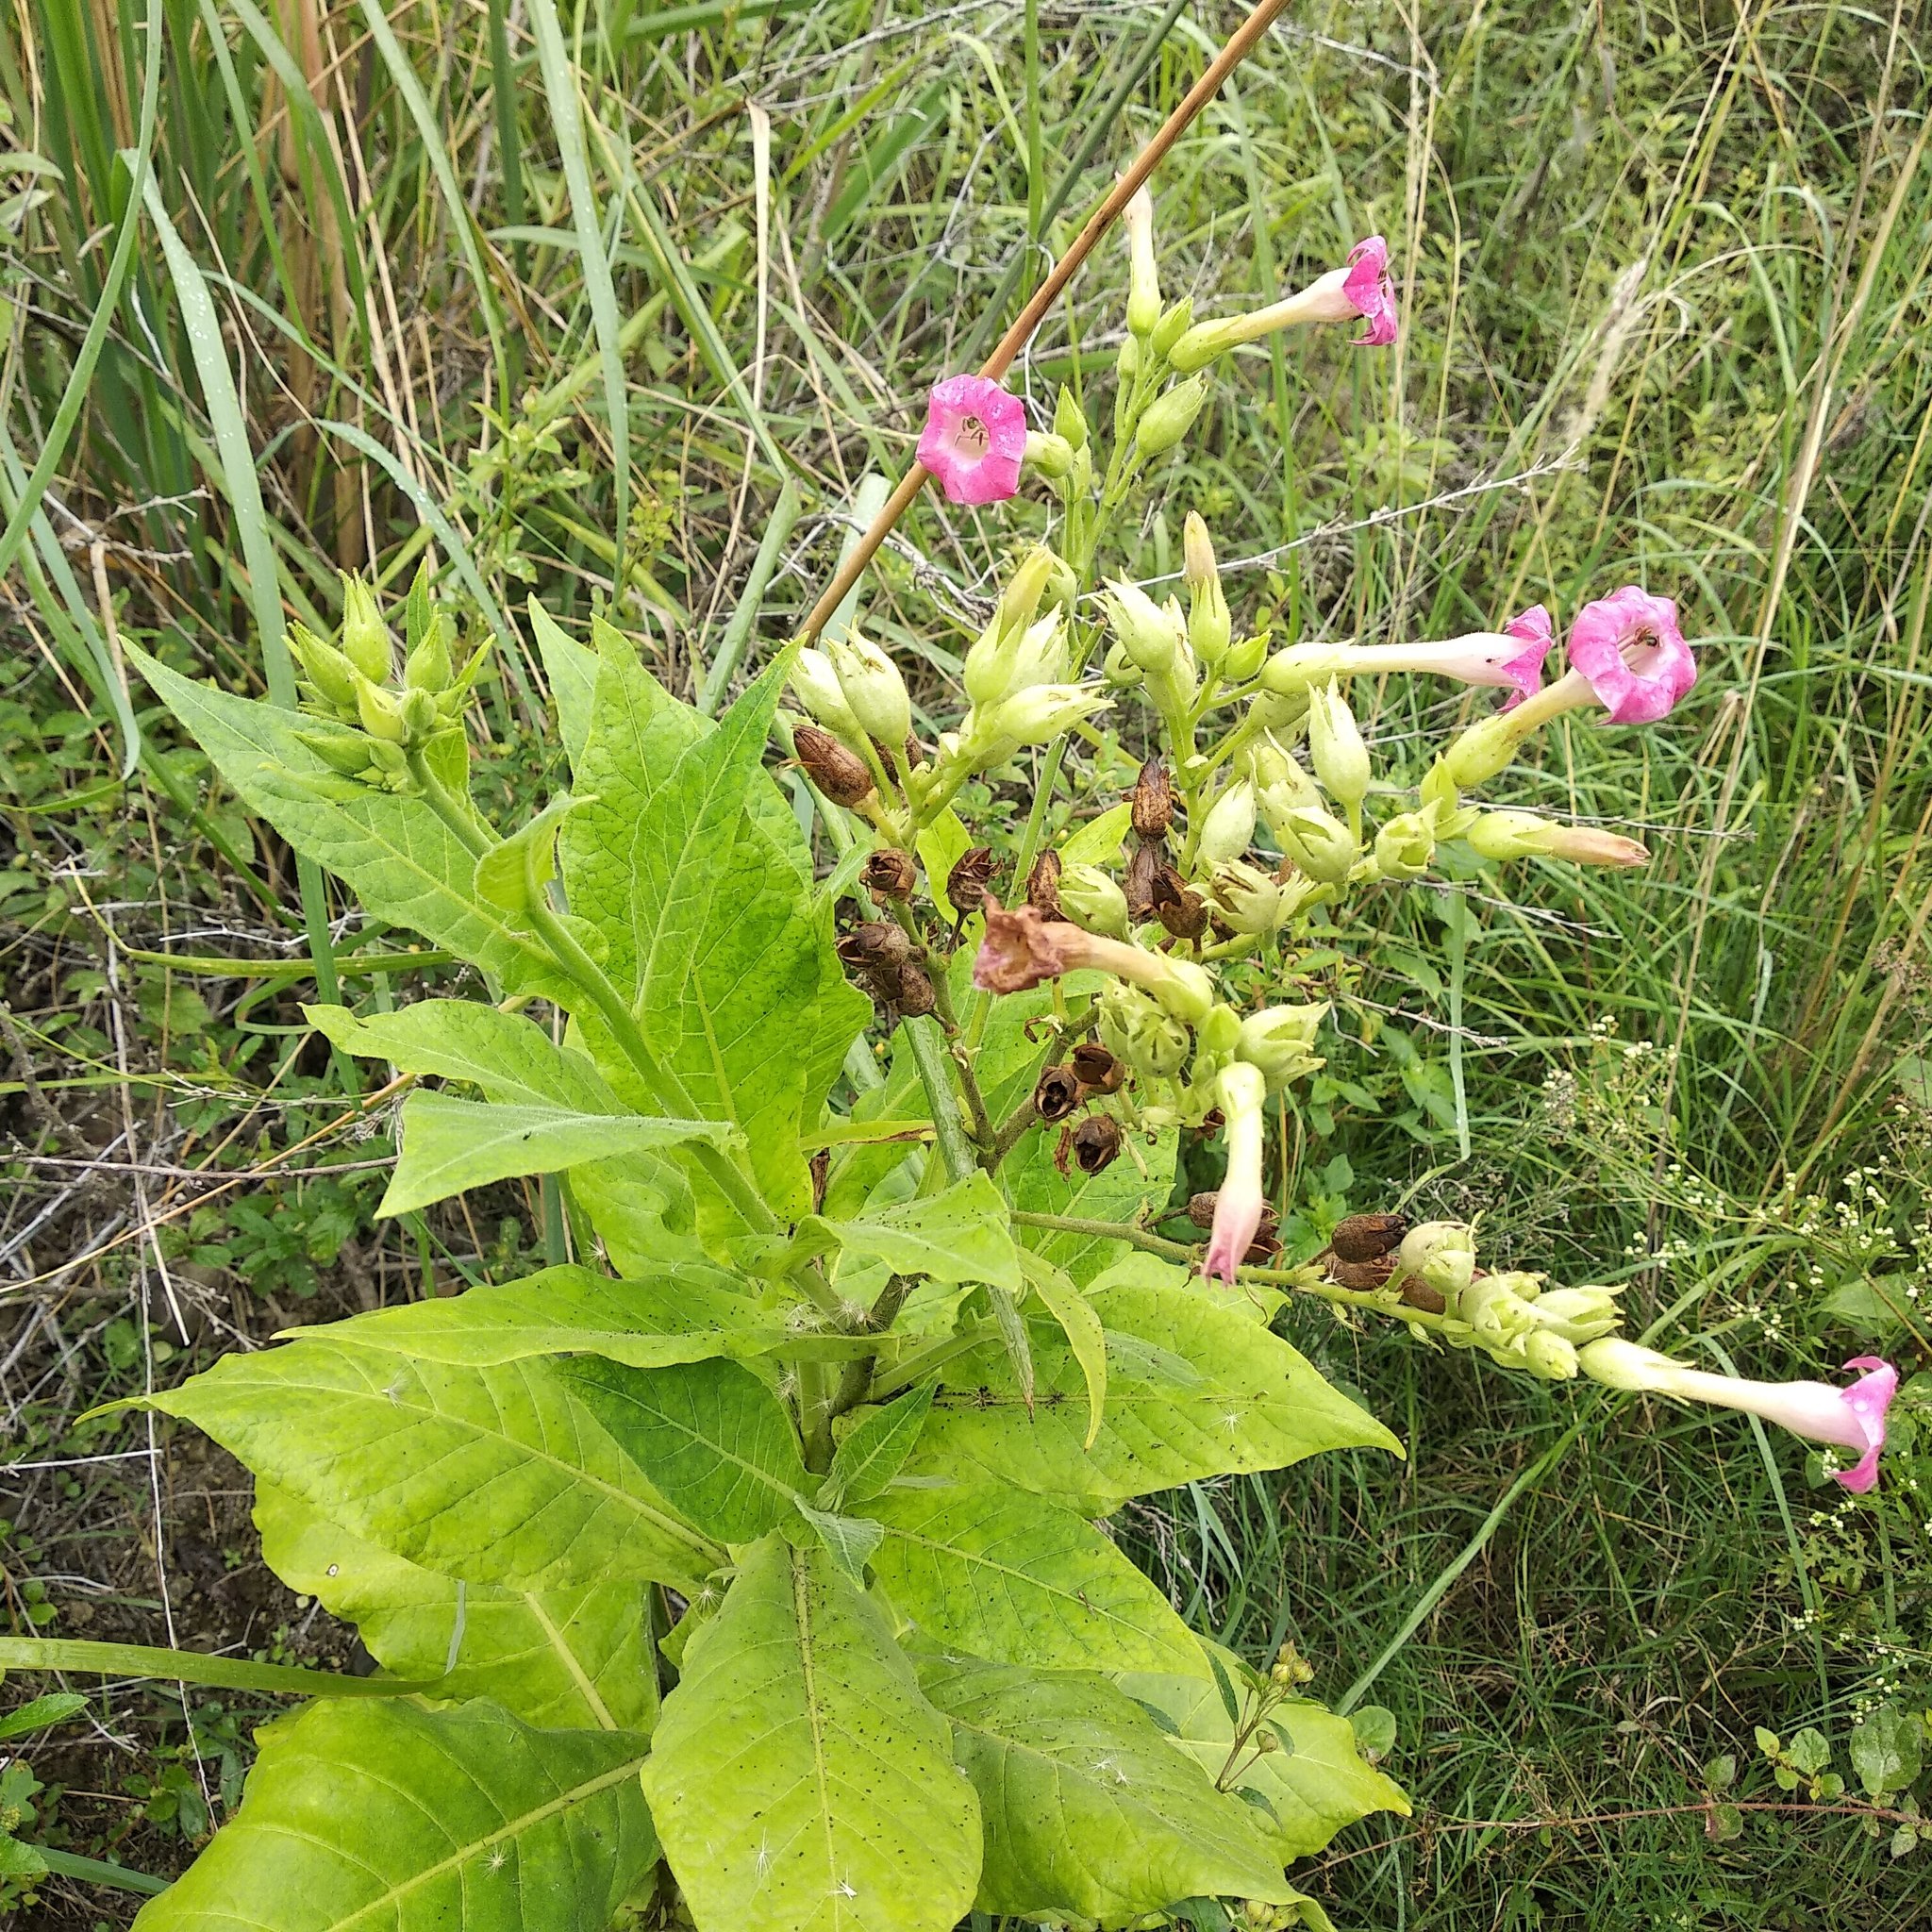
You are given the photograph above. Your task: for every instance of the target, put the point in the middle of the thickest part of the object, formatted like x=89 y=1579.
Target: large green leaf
x=1117 y=1192
x=402 y=861
x=496 y=1474
x=1008 y=1575
x=1312 y=1789
x=508 y=1056
x=379 y=1816
x=875 y=1451
x=571 y=1659
x=712 y=1438
x=800 y=1781
x=1087 y=1807
x=570 y=669
x=1195 y=1389
x=686 y=1311
x=961 y=1235
x=698 y=877
x=446 y=1146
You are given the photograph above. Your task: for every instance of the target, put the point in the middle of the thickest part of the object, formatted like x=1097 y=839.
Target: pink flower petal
x=1370 y=291
x=1629 y=648
x=1868 y=1399
x=974 y=439
x=1526 y=671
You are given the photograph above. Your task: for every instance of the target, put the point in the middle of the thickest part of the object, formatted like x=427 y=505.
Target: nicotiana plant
x=767 y=1537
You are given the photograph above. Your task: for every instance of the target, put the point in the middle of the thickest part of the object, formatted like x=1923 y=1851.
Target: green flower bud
x=1228 y=829
x=422 y=717
x=1279 y=1041
x=1143 y=277
x=1247 y=898
x=1300 y=667
x=1335 y=746
x=1119 y=669
x=1497 y=1314
x=345 y=752
x=1003 y=662
x=1173 y=326
x=325 y=667
x=1482 y=751
x=1186 y=989
x=428 y=668
x=1134 y=1029
x=1405 y=846
x=815 y=685
x=1208 y=629
x=1219 y=1034
x=1020 y=601
x=1579 y=1314
x=365 y=637
x=1199 y=345
x=1152 y=636
x=1127 y=363
x=1270 y=710
x=1443 y=1253
x=1093 y=901
x=1549 y=1356
x=381 y=713
x=1068 y=419
x=1052 y=456
x=1319 y=844
x=1245 y=659
x=1038 y=714
x=1169 y=417
x=872 y=689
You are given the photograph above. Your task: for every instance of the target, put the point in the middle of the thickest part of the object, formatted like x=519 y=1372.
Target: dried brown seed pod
x=1096 y=1143
x=1363 y=1237
x=841 y=774
x=967 y=882
x=1362 y=1274
x=1263 y=1251
x=888 y=875
x=878 y=942
x=1153 y=801
x=1140 y=883
x=1058 y=1094
x=1096 y=1069
x=1043 y=886
x=1201 y=1212
x=1183 y=912
x=916 y=996
x=1419 y=1295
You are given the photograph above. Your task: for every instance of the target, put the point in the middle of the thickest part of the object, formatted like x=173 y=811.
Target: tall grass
x=569 y=301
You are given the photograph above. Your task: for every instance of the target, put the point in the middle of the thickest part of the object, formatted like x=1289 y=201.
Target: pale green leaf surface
x=712 y=1438
x=1087 y=1807
x=799 y=1780
x=961 y=1234
x=447 y=1145
x=874 y=1452
x=1099 y=841
x=579 y=1658
x=570 y=669
x=1193 y=1389
x=382 y=1816
x=497 y=1476
x=1081 y=1328
x=1013 y=1578
x=849 y=1541
x=1117 y=1193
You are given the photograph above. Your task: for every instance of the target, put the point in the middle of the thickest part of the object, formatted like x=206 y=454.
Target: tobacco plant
x=768 y=1537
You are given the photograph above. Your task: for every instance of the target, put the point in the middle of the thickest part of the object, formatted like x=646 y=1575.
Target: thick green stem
x=194 y=1667
x=935 y=1064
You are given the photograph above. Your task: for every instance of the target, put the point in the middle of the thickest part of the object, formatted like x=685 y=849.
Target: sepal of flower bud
x=815 y=685
x=428 y=667
x=422 y=717
x=1069 y=420
x=1483 y=752
x=1052 y=456
x=346 y=752
x=1319 y=844
x=1579 y=1314
x=1335 y=746
x=325 y=667
x=1093 y=901
x=1119 y=670
x=1245 y=659
x=1172 y=326
x=1198 y=345
x=873 y=691
x=1548 y=1355
x=1495 y=1311
x=1442 y=1253
x=1228 y=829
x=1169 y=417
x=1301 y=667
x=1279 y=1041
x=1041 y=714
x=364 y=636
x=1520 y=833
x=381 y=712
x=1247 y=898
x=1008 y=658
x=1208 y=627
x=1150 y=634
x=1152 y=1043
x=1405 y=846
x=1183 y=988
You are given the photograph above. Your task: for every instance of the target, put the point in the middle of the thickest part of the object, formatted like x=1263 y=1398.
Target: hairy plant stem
x=934 y=1061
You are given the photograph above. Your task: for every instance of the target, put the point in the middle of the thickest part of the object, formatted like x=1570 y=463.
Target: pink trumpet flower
x=1240 y=1200
x=1371 y=292
x=1852 y=1418
x=975 y=440
x=1511 y=658
x=1629 y=649
x=1360 y=288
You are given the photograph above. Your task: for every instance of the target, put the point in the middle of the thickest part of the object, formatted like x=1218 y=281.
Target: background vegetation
x=620 y=307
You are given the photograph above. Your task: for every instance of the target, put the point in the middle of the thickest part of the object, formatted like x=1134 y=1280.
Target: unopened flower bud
x=1119 y=669
x=1244 y=659
x=381 y=712
x=422 y=717
x=816 y=685
x=1482 y=751
x=1152 y=634
x=1153 y=801
x=1096 y=1143
x=1521 y=834
x=1279 y=1041
x=1549 y=1356
x=1154 y=1043
x=428 y=667
x=1043 y=886
x=1143 y=277
x=1579 y=1314
x=1019 y=602
x=1169 y=417
x=1247 y=898
x=1092 y=901
x=1335 y=746
x=1405 y=846
x=365 y=637
x=1056 y=1093
x=1228 y=829
x=843 y=775
x=1367 y=1236
x=1172 y=326
x=1495 y=1311
x=1208 y=627
x=1041 y=714
x=349 y=754
x=888 y=875
x=1068 y=419
x=1319 y=844
x=1097 y=1069
x=325 y=667
x=1052 y=456
x=872 y=689
x=1442 y=1253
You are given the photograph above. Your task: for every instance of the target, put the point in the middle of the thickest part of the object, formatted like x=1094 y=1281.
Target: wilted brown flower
x=1183 y=912
x=1096 y=1069
x=1153 y=801
x=888 y=875
x=841 y=774
x=1058 y=1094
x=1096 y=1143
x=1366 y=1237
x=1043 y=886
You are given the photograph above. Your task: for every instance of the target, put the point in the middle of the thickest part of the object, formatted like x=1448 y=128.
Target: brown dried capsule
x=1043 y=886
x=1364 y=1275
x=878 y=943
x=1263 y=1251
x=967 y=882
x=841 y=774
x=1096 y=1143
x=1419 y=1295
x=1058 y=1094
x=1363 y=1237
x=1184 y=913
x=1153 y=801
x=1097 y=1069
x=888 y=875
x=1201 y=1212
x=916 y=996
x=1139 y=883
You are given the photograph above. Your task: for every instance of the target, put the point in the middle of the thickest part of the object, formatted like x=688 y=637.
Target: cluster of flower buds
x=372 y=723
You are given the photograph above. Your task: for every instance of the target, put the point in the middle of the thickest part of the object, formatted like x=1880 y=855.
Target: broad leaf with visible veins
x=376 y=1815
x=799 y=1780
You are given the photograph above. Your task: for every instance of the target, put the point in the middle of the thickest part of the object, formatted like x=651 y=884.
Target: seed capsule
x=1419 y=1295
x=1096 y=1143
x=841 y=774
x=1058 y=1094
x=1096 y=1069
x=967 y=882
x=1140 y=887
x=878 y=943
x=1184 y=913
x=1201 y=1212
x=1362 y=1274
x=1367 y=1236
x=916 y=996
x=888 y=875
x=1153 y=800
x=1043 y=886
